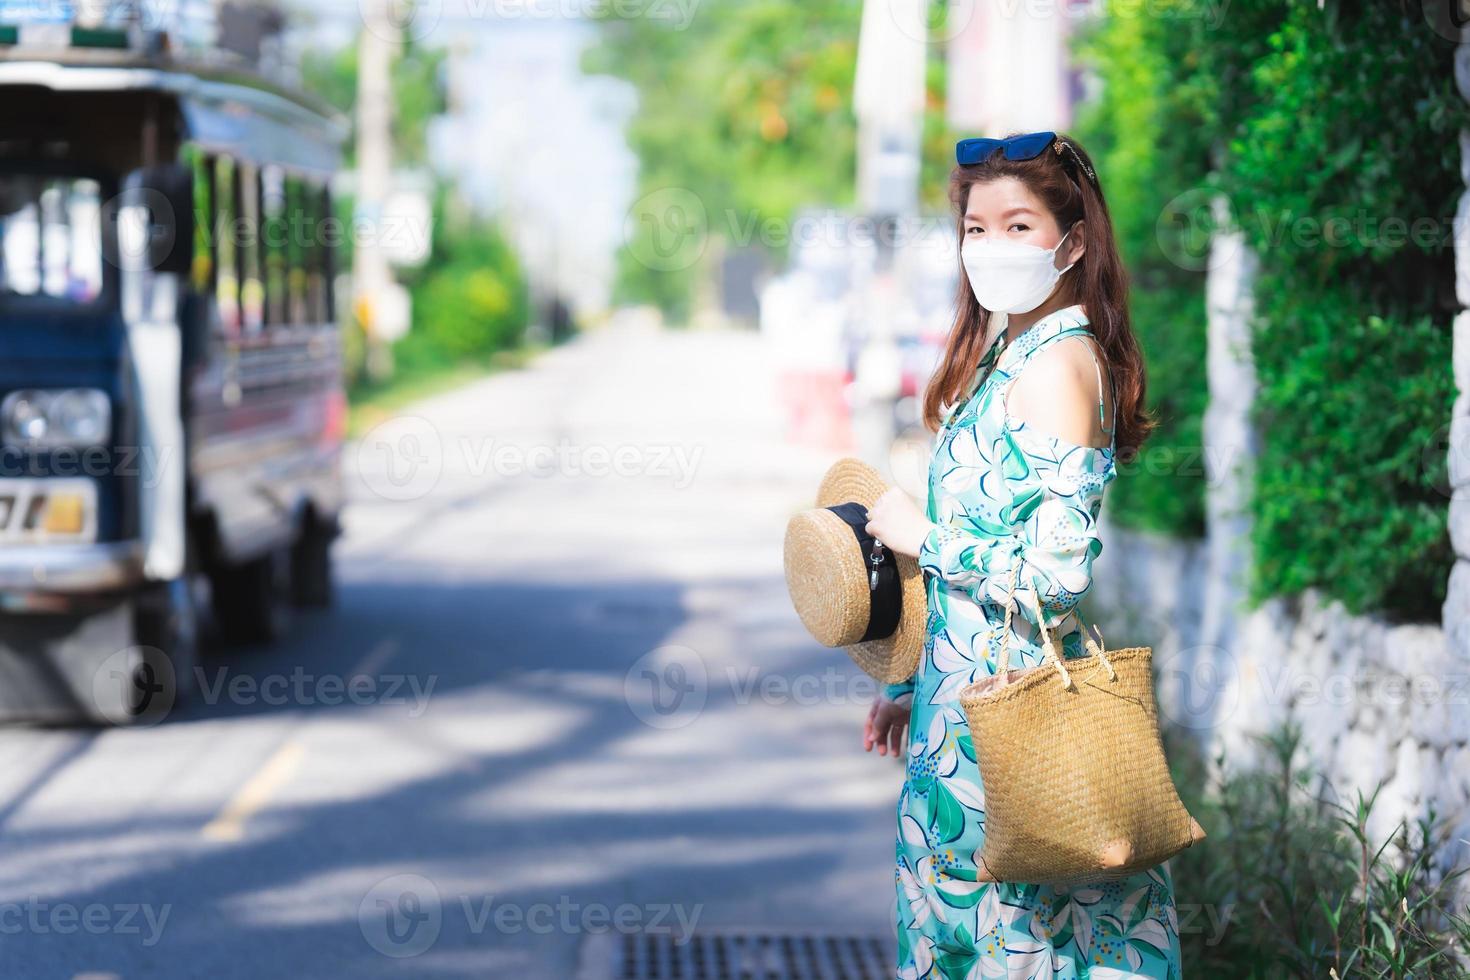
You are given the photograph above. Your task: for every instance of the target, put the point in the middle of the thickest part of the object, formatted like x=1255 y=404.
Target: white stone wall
x=1376 y=700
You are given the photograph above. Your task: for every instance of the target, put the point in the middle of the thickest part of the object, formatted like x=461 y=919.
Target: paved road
x=548 y=701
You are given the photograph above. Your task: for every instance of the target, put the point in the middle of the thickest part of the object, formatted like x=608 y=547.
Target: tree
x=748 y=108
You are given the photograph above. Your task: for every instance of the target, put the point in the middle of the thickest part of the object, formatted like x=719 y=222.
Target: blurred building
x=1009 y=69
x=254 y=32
x=245 y=31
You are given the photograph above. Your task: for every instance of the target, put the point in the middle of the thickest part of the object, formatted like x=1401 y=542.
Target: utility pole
x=371 y=276
x=889 y=100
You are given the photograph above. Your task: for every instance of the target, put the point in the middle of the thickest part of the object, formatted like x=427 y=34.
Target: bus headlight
x=48 y=418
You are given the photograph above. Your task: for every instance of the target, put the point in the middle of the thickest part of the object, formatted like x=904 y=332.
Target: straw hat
x=878 y=619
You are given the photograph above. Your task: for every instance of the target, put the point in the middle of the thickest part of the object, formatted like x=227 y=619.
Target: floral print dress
x=1001 y=493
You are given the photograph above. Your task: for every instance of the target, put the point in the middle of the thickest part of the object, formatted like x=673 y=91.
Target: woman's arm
x=887 y=727
x=1054 y=547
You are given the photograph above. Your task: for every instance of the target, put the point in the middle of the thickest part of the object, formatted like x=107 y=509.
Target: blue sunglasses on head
x=1024 y=147
x=972 y=151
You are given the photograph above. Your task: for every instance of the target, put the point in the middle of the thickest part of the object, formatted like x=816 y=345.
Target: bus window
x=226 y=238
x=297 y=250
x=326 y=266
x=201 y=273
x=50 y=238
x=252 y=289
x=273 y=243
x=318 y=222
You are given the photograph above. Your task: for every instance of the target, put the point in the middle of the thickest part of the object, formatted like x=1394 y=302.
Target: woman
x=1017 y=476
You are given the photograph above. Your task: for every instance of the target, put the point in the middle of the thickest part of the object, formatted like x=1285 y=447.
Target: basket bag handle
x=1049 y=647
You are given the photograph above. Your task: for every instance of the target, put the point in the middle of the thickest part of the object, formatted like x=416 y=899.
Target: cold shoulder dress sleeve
x=1004 y=496
x=1052 y=546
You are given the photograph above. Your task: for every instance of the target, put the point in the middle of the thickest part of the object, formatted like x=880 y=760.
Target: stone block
x=1462 y=255
x=1455 y=615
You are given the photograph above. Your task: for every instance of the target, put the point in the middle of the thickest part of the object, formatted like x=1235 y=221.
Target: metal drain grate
x=738 y=955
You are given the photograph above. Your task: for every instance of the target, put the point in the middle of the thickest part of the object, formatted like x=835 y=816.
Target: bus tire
x=251 y=600
x=167 y=624
x=312 y=586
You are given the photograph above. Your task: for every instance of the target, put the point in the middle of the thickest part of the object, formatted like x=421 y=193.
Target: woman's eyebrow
x=1007 y=214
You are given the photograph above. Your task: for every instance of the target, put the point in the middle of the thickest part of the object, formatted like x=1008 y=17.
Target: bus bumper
x=42 y=577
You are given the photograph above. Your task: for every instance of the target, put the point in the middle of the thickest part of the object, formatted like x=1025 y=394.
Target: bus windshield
x=50 y=239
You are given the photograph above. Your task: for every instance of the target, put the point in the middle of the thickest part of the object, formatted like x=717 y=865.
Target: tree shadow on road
x=536 y=785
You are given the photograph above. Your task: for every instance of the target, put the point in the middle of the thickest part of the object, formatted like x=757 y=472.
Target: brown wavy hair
x=1098 y=281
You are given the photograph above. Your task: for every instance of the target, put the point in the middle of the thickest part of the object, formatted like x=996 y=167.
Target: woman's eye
x=1020 y=227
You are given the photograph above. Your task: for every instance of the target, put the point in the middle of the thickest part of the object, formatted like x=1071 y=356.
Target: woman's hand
x=896 y=520
x=886 y=723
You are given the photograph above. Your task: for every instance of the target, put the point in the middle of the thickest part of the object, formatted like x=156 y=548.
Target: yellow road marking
x=376 y=658
x=229 y=823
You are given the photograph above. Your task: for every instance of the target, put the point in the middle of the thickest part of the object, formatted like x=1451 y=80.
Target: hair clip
x=1060 y=143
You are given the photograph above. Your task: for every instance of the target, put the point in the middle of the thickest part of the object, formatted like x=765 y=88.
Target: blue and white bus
x=171 y=404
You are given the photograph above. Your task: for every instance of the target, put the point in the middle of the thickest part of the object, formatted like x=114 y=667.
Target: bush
x=1319 y=128
x=1355 y=128
x=1289 y=882
x=469 y=302
x=1348 y=482
x=1149 y=145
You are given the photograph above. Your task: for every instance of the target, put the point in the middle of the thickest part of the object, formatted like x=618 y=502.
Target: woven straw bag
x=1077 y=789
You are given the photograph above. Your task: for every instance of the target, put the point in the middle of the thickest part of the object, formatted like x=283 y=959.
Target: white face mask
x=1011 y=277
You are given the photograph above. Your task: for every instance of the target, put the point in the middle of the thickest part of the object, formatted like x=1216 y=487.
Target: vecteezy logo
x=143 y=226
x=908 y=459
x=1199 y=687
x=401 y=916
x=401 y=20
x=667 y=230
x=667 y=687
x=1186 y=230
x=1446 y=456
x=929 y=21
x=134 y=686
x=1447 y=18
x=401 y=459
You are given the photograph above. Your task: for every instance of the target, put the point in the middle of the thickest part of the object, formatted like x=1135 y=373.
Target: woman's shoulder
x=1057 y=394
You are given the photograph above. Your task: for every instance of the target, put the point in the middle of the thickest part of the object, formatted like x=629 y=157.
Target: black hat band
x=884 y=589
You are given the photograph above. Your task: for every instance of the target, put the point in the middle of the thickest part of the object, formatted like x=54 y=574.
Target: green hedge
x=1308 y=121
x=1355 y=121
x=1349 y=406
x=1150 y=145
